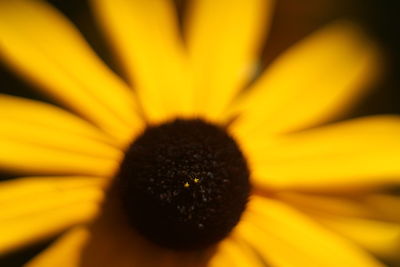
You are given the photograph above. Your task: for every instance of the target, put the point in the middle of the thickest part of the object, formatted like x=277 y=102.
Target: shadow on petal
x=113 y=242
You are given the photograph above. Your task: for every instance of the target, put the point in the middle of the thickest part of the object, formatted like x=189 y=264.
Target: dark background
x=292 y=21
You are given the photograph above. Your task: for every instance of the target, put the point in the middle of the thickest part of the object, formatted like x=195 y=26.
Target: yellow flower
x=318 y=195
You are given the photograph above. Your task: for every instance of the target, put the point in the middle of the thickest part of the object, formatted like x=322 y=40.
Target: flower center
x=184 y=184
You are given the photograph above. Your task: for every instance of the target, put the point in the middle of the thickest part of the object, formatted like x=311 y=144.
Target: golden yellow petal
x=65 y=252
x=31 y=159
x=358 y=154
x=333 y=205
x=380 y=238
x=26 y=132
x=49 y=116
x=287 y=237
x=146 y=37
x=44 y=47
x=354 y=218
x=22 y=188
x=233 y=253
x=314 y=81
x=223 y=42
x=35 y=208
x=275 y=251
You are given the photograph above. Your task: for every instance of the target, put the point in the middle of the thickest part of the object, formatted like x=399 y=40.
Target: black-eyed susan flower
x=197 y=170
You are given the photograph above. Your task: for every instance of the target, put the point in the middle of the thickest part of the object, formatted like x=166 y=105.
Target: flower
x=319 y=191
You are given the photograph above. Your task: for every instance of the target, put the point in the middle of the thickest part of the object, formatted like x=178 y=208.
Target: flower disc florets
x=184 y=184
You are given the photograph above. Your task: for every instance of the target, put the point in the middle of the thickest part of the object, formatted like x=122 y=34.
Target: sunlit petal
x=146 y=37
x=334 y=205
x=50 y=116
x=314 y=81
x=35 y=208
x=224 y=38
x=32 y=159
x=44 y=47
x=26 y=131
x=357 y=154
x=379 y=237
x=289 y=238
x=354 y=218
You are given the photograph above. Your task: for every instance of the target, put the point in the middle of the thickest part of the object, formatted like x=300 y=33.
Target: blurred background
x=292 y=21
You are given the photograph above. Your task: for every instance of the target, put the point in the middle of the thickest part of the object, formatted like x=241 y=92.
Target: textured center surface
x=184 y=184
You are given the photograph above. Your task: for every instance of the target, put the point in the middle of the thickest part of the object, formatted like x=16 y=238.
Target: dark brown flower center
x=184 y=184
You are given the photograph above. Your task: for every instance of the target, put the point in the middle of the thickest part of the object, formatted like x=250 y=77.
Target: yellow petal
x=337 y=205
x=371 y=206
x=357 y=154
x=22 y=188
x=146 y=37
x=26 y=131
x=65 y=252
x=223 y=40
x=31 y=159
x=35 y=208
x=275 y=251
x=287 y=237
x=233 y=253
x=381 y=238
x=49 y=116
x=45 y=47
x=354 y=218
x=312 y=82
